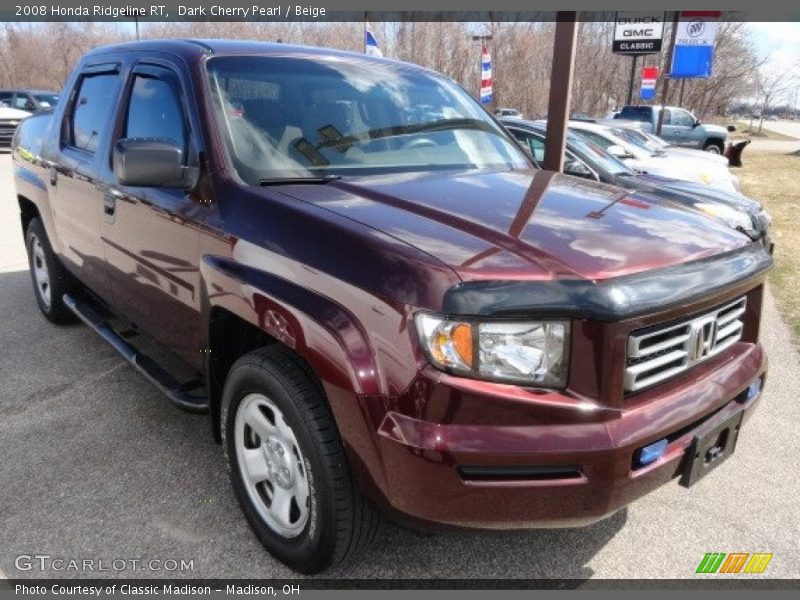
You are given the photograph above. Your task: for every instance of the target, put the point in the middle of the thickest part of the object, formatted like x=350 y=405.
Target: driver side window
x=682 y=118
x=155 y=111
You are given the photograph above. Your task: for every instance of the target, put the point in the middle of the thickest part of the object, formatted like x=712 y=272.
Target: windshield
x=592 y=153
x=46 y=100
x=655 y=140
x=298 y=117
x=639 y=139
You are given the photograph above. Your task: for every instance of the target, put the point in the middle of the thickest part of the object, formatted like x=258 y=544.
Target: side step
x=170 y=386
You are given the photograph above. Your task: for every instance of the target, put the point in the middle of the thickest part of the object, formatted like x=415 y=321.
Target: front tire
x=287 y=463
x=50 y=279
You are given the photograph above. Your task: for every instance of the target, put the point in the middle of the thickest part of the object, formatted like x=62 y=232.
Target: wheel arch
x=28 y=211
x=247 y=309
x=715 y=141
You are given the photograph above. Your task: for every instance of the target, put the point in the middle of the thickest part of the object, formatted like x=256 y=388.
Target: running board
x=170 y=386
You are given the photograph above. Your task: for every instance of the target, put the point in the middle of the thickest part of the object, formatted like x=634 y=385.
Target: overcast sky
x=780 y=43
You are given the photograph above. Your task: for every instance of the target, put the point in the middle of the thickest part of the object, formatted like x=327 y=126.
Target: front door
x=151 y=241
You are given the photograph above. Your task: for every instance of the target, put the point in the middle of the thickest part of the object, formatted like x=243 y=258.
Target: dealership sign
x=694 y=44
x=638 y=32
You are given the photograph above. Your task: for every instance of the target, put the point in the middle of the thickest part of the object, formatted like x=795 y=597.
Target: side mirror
x=577 y=168
x=696 y=123
x=618 y=151
x=149 y=162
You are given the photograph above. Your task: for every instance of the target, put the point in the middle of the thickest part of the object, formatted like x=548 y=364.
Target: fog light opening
x=650 y=453
x=754 y=389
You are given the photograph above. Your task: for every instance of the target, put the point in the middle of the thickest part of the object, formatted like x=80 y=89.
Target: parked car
x=649 y=158
x=508 y=113
x=10 y=118
x=679 y=127
x=29 y=100
x=585 y=159
x=381 y=313
x=637 y=133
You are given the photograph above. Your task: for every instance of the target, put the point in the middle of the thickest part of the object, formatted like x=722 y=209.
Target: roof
x=195 y=49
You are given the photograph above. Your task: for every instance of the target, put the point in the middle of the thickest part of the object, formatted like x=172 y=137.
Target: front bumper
x=572 y=467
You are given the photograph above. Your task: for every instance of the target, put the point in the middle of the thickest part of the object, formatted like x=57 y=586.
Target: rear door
x=75 y=189
x=151 y=238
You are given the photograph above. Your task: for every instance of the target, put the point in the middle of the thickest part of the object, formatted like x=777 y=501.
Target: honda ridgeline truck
x=382 y=304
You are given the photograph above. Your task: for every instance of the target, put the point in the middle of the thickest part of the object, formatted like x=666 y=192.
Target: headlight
x=525 y=352
x=734 y=218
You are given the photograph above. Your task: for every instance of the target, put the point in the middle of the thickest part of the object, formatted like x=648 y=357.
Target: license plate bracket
x=710 y=448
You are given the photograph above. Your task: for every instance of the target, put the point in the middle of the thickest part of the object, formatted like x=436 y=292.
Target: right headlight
x=525 y=352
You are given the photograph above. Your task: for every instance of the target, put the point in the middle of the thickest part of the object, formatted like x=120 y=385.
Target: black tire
x=340 y=524
x=715 y=147
x=49 y=296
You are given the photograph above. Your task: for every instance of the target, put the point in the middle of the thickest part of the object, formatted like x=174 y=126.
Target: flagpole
x=364 y=37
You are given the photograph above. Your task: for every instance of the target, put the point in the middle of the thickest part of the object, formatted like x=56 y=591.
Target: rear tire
x=287 y=464
x=714 y=147
x=49 y=277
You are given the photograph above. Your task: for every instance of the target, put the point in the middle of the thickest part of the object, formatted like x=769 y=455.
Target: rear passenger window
x=155 y=111
x=92 y=106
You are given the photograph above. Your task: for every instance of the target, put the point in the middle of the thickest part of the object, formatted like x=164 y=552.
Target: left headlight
x=734 y=218
x=524 y=352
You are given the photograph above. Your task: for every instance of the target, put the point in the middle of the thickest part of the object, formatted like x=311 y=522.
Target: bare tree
x=42 y=55
x=772 y=87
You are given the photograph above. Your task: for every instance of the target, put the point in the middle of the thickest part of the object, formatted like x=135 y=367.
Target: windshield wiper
x=298 y=180
x=398 y=130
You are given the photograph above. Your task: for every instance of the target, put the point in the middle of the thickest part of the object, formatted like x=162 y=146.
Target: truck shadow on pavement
x=97 y=464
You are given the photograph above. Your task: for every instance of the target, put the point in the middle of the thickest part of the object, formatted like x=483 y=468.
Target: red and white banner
x=486 y=76
x=649 y=78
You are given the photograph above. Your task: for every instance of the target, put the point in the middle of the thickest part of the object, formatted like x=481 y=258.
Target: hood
x=735 y=210
x=697 y=155
x=525 y=224
x=704 y=172
x=716 y=130
x=702 y=192
x=12 y=113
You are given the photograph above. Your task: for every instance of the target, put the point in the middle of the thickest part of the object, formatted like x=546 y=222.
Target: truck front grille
x=663 y=351
x=7 y=130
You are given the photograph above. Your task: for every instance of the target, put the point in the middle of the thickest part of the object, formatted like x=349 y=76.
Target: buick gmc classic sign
x=638 y=32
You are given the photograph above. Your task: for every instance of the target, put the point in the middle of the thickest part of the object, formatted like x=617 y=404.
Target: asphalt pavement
x=95 y=464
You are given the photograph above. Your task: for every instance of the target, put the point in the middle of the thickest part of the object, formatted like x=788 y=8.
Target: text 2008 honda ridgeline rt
x=378 y=298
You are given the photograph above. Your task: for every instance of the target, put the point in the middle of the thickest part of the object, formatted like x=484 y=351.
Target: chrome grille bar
x=656 y=354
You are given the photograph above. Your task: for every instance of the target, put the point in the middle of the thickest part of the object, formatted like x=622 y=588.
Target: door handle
x=110 y=205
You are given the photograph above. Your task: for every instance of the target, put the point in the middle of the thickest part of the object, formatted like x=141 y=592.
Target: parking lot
x=96 y=464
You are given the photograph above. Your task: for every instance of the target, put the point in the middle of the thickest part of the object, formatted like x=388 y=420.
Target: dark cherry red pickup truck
x=382 y=304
